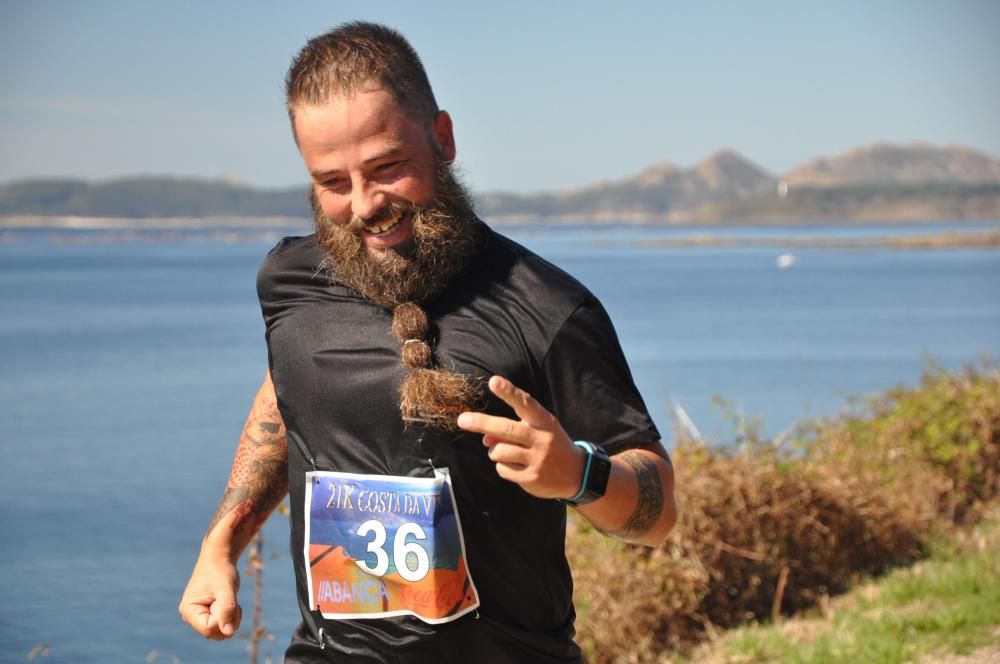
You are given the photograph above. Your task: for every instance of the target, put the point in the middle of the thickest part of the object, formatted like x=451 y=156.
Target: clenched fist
x=209 y=602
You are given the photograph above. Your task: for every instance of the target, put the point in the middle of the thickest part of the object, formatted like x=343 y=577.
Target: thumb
x=226 y=611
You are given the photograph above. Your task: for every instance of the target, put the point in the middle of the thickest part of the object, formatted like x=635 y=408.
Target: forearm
x=258 y=481
x=638 y=505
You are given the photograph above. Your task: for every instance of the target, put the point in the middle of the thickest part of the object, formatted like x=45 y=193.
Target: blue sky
x=544 y=95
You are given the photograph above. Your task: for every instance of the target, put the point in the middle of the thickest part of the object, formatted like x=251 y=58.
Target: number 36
x=401 y=549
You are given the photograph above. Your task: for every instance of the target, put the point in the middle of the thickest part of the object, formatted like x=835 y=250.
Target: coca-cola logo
x=447 y=595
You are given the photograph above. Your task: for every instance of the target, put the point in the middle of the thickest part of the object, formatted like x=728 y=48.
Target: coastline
x=232 y=228
x=989 y=239
x=83 y=222
x=72 y=222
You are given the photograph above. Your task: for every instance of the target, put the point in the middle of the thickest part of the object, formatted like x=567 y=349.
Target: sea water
x=128 y=363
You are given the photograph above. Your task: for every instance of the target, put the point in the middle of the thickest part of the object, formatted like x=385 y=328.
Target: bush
x=765 y=530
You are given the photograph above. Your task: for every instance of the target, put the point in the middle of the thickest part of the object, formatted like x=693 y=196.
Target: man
x=446 y=394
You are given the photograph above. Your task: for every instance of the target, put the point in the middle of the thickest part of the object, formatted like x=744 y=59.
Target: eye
x=333 y=183
x=387 y=167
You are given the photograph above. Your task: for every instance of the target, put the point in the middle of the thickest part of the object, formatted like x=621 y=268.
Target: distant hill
x=881 y=182
x=656 y=192
x=861 y=203
x=897 y=164
x=149 y=196
x=878 y=183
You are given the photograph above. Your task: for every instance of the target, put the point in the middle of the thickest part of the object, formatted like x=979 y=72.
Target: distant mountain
x=149 y=196
x=880 y=182
x=933 y=201
x=658 y=192
x=877 y=183
x=882 y=163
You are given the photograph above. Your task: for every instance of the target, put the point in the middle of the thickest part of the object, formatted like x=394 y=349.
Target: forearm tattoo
x=259 y=479
x=650 y=503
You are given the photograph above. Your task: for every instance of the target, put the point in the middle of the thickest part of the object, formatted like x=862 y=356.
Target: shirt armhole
x=591 y=389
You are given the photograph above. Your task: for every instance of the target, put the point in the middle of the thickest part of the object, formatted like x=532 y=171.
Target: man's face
x=394 y=223
x=364 y=153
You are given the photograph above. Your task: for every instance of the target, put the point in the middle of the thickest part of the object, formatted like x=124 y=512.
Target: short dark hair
x=345 y=58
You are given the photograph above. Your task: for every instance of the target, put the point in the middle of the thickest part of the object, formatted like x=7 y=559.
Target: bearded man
x=446 y=394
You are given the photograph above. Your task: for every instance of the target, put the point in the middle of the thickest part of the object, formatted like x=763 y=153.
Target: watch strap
x=594 y=481
x=589 y=449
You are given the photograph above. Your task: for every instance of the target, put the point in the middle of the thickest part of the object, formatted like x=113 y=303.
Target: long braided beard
x=446 y=235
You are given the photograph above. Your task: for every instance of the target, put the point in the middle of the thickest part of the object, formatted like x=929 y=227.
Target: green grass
x=948 y=603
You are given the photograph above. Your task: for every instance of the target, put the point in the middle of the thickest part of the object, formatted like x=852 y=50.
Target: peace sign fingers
x=534 y=450
x=530 y=411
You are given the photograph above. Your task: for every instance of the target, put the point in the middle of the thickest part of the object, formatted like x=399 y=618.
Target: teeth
x=384 y=226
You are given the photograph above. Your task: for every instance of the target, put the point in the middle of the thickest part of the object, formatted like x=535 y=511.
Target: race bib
x=379 y=546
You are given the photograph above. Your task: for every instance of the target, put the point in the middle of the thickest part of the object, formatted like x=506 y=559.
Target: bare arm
x=638 y=505
x=259 y=479
x=257 y=483
x=536 y=453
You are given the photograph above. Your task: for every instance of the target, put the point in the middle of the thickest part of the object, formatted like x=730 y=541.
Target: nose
x=366 y=199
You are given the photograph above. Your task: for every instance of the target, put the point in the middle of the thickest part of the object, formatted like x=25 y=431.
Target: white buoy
x=785 y=261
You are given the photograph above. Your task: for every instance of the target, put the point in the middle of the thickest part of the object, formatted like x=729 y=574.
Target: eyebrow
x=388 y=152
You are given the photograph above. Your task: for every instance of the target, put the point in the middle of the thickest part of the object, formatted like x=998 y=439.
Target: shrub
x=765 y=529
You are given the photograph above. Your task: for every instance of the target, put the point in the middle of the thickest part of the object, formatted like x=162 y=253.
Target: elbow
x=669 y=520
x=668 y=513
x=668 y=506
x=668 y=517
x=664 y=526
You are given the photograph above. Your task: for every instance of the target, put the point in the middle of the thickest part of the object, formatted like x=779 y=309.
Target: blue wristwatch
x=596 y=470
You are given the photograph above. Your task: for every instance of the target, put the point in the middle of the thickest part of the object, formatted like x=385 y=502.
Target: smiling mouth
x=386 y=226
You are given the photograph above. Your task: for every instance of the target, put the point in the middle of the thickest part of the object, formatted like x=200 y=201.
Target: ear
x=444 y=136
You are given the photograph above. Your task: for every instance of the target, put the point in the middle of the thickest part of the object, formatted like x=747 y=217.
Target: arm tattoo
x=650 y=503
x=259 y=478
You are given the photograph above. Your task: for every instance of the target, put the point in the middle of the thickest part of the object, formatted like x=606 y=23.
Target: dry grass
x=767 y=531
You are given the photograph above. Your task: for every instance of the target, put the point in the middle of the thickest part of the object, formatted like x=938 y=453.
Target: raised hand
x=532 y=451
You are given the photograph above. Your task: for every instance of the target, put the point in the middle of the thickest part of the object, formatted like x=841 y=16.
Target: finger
x=210 y=628
x=205 y=624
x=510 y=455
x=489 y=440
x=511 y=472
x=523 y=403
x=226 y=612
x=496 y=428
x=198 y=616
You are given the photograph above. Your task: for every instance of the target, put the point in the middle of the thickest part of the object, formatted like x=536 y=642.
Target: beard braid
x=446 y=235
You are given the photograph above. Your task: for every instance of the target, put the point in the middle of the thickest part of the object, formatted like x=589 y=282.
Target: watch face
x=597 y=474
x=597 y=481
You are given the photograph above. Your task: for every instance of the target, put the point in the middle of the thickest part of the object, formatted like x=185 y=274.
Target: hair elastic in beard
x=435 y=398
x=427 y=396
